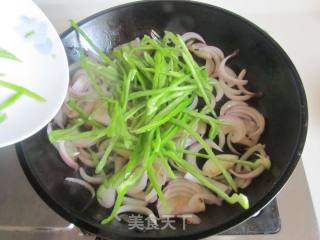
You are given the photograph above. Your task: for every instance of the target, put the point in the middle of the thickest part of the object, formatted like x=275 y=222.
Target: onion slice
x=80 y=84
x=208 y=198
x=197 y=147
x=211 y=170
x=152 y=196
x=68 y=153
x=192 y=35
x=257 y=148
x=140 y=186
x=220 y=185
x=91 y=179
x=60 y=119
x=219 y=93
x=106 y=196
x=138 y=195
x=85 y=158
x=224 y=108
x=134 y=202
x=84 y=142
x=254 y=173
x=230 y=146
x=138 y=209
x=242 y=182
x=225 y=76
x=82 y=183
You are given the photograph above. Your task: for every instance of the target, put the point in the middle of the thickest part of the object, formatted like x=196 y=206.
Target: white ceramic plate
x=27 y=33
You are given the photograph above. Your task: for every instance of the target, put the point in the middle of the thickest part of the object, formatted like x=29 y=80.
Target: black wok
x=269 y=70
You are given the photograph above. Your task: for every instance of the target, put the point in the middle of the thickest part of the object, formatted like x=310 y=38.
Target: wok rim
x=86 y=225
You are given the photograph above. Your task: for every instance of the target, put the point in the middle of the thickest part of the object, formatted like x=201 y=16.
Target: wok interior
x=268 y=71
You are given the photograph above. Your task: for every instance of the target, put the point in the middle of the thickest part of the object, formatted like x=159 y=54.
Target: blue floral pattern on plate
x=36 y=32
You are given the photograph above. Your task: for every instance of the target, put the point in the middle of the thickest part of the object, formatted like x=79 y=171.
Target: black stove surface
x=266 y=222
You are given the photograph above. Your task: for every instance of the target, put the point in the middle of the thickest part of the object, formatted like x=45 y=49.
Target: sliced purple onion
x=140 y=186
x=90 y=179
x=68 y=153
x=107 y=197
x=134 y=202
x=219 y=92
x=138 y=209
x=80 y=84
x=208 y=198
x=249 y=175
x=192 y=35
x=228 y=90
x=84 y=142
x=82 y=183
x=230 y=145
x=218 y=184
x=152 y=196
x=241 y=75
x=211 y=170
x=222 y=139
x=138 y=195
x=101 y=115
x=197 y=147
x=230 y=104
x=60 y=119
x=210 y=66
x=242 y=183
x=85 y=158
x=225 y=76
x=257 y=148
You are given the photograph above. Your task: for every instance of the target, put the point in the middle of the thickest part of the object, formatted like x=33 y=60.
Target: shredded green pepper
x=6 y=54
x=10 y=100
x=22 y=90
x=225 y=173
x=19 y=90
x=3 y=117
x=235 y=198
x=152 y=87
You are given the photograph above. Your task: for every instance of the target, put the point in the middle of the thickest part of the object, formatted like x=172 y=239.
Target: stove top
x=23 y=215
x=266 y=221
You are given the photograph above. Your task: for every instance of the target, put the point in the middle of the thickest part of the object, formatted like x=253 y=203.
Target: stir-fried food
x=145 y=118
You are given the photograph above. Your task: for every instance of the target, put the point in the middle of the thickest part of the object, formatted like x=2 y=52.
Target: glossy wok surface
x=269 y=70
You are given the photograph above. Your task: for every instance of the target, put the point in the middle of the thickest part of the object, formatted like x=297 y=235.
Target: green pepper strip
x=238 y=161
x=22 y=90
x=166 y=165
x=73 y=105
x=64 y=135
x=165 y=115
x=168 y=73
x=235 y=198
x=134 y=110
x=3 y=117
x=103 y=56
x=8 y=55
x=10 y=100
x=126 y=89
x=194 y=134
x=121 y=191
x=148 y=159
x=146 y=93
x=102 y=163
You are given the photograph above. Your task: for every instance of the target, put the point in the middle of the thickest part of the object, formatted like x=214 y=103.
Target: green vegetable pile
x=152 y=87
